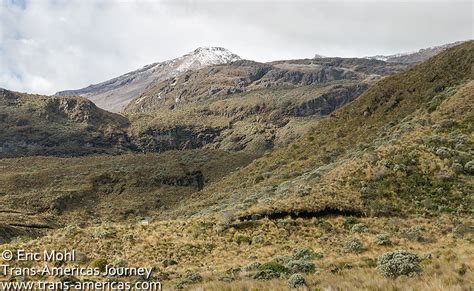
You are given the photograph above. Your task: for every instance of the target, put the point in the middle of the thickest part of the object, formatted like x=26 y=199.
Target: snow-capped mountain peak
x=205 y=56
x=115 y=93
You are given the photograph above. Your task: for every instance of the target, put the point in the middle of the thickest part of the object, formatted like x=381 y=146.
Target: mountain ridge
x=417 y=56
x=114 y=94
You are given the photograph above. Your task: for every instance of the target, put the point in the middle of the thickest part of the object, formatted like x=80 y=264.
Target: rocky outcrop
x=176 y=138
x=328 y=102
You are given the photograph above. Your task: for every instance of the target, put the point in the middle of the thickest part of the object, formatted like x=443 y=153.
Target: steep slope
x=64 y=126
x=415 y=57
x=115 y=94
x=395 y=149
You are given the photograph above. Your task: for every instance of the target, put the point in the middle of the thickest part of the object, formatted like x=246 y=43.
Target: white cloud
x=51 y=45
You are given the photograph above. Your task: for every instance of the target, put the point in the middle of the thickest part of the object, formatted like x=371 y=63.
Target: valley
x=228 y=174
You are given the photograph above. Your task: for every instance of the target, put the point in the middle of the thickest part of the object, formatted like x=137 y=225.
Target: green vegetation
x=296 y=281
x=390 y=170
x=394 y=264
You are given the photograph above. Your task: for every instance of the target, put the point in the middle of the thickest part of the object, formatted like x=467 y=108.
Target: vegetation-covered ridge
x=61 y=126
x=403 y=146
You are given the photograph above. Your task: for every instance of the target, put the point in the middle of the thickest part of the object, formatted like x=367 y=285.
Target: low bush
x=300 y=266
x=353 y=245
x=382 y=239
x=395 y=264
x=296 y=281
x=273 y=266
x=414 y=233
x=304 y=254
x=359 y=227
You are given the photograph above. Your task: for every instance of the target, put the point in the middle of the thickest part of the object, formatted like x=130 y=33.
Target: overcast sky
x=52 y=45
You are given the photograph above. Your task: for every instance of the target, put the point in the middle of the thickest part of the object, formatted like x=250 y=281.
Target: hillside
x=115 y=94
x=357 y=159
x=247 y=105
x=255 y=121
x=35 y=191
x=246 y=76
x=374 y=193
x=61 y=126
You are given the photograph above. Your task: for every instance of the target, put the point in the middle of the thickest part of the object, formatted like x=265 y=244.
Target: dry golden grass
x=201 y=245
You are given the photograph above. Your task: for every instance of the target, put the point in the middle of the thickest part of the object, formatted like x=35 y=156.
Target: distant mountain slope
x=242 y=76
x=247 y=105
x=403 y=146
x=415 y=57
x=62 y=126
x=115 y=94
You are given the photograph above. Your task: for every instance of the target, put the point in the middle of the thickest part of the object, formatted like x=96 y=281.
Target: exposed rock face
x=177 y=138
x=113 y=95
x=328 y=102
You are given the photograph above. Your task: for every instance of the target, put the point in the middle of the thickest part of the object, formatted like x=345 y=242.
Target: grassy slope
x=345 y=155
x=339 y=164
x=94 y=188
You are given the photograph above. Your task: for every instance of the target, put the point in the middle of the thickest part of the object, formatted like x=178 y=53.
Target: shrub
x=394 y=264
x=226 y=219
x=462 y=270
x=296 y=281
x=192 y=277
x=251 y=267
x=118 y=262
x=129 y=237
x=266 y=275
x=457 y=168
x=382 y=239
x=21 y=239
x=99 y=263
x=273 y=266
x=460 y=230
x=353 y=245
x=300 y=266
x=443 y=153
x=100 y=232
x=283 y=259
x=359 y=227
x=414 y=233
x=169 y=262
x=242 y=239
x=469 y=167
x=258 y=239
x=304 y=254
